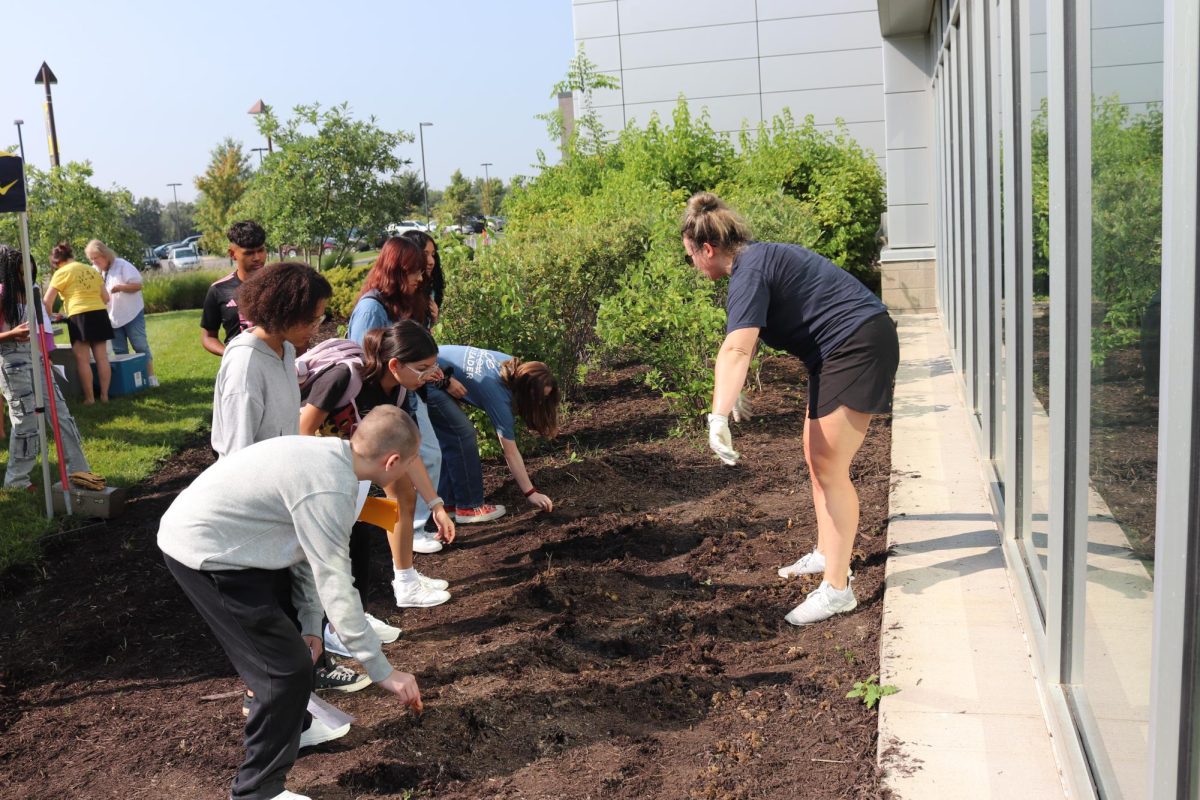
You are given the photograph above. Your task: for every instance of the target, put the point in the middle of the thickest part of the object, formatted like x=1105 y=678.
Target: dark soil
x=1123 y=441
x=629 y=645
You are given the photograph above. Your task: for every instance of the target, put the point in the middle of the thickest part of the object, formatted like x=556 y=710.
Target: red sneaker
x=484 y=513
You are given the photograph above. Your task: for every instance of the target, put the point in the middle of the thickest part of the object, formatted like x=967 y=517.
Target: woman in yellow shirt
x=86 y=303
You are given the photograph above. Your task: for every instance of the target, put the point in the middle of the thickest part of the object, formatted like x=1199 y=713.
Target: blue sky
x=146 y=89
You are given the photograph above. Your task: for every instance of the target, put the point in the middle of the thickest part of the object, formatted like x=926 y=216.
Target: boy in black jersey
x=248 y=249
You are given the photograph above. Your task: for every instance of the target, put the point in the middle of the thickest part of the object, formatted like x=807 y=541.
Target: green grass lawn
x=128 y=437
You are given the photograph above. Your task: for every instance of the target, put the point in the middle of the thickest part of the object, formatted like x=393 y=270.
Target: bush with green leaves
x=347 y=282
x=1126 y=216
x=334 y=260
x=177 y=291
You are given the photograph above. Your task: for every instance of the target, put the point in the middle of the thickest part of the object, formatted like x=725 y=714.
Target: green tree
x=221 y=186
x=459 y=200
x=146 y=219
x=491 y=195
x=178 y=219
x=583 y=78
x=330 y=175
x=64 y=205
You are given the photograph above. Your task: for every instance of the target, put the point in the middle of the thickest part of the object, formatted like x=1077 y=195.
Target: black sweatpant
x=245 y=608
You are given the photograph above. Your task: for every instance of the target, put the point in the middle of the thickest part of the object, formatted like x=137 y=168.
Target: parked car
x=192 y=241
x=150 y=260
x=495 y=223
x=404 y=226
x=474 y=225
x=184 y=258
x=164 y=250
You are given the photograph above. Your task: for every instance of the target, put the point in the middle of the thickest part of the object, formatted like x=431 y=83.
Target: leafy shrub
x=347 y=282
x=1126 y=216
x=833 y=175
x=332 y=260
x=177 y=291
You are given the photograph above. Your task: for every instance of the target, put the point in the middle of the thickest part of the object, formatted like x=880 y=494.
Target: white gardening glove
x=720 y=440
x=741 y=409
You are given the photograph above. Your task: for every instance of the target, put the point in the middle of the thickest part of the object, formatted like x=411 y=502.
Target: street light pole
x=20 y=139
x=259 y=108
x=46 y=77
x=260 y=151
x=175 y=211
x=487 y=188
x=425 y=180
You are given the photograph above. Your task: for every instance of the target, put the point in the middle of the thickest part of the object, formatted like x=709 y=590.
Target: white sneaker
x=319 y=733
x=414 y=594
x=808 y=564
x=822 y=603
x=286 y=795
x=386 y=633
x=433 y=583
x=425 y=543
x=333 y=643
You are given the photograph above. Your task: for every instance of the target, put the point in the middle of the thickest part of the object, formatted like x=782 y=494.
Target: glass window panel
x=1035 y=546
x=1123 y=441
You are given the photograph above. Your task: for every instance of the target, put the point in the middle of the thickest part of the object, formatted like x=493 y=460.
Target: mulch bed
x=629 y=645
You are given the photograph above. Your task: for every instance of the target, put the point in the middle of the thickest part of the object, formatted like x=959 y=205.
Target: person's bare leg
x=83 y=365
x=832 y=441
x=400 y=538
x=824 y=522
x=103 y=368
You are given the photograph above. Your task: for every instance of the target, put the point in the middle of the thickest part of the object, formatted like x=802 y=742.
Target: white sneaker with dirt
x=822 y=603
x=414 y=594
x=386 y=633
x=425 y=543
x=319 y=733
x=808 y=564
x=286 y=795
x=433 y=583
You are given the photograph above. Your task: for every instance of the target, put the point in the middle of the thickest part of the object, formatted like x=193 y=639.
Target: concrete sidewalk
x=968 y=721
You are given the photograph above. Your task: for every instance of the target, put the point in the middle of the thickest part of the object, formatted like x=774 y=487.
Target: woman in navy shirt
x=796 y=300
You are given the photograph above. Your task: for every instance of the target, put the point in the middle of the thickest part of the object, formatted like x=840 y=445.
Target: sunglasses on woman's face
x=422 y=374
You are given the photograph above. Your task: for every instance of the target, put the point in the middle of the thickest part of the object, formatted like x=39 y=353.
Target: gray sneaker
x=822 y=603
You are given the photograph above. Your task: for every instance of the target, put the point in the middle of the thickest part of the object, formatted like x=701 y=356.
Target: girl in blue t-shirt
x=799 y=301
x=499 y=384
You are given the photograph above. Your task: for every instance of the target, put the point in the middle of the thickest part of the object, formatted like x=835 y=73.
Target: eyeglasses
x=422 y=373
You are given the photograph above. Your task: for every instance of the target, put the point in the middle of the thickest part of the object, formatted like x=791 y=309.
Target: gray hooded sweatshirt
x=277 y=504
x=257 y=394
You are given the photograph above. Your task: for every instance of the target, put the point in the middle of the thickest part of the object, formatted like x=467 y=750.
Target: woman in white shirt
x=126 y=309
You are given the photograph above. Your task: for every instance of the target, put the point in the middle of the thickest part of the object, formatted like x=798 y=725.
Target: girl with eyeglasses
x=397 y=360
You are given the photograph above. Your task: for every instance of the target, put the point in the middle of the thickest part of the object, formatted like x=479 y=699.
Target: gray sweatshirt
x=274 y=505
x=257 y=394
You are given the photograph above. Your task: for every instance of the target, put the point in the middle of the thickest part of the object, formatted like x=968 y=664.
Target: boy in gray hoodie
x=230 y=538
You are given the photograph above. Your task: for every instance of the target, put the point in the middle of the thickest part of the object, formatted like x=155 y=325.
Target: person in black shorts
x=248 y=249
x=796 y=300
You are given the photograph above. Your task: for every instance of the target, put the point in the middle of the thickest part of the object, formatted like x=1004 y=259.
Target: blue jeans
x=461 y=485
x=431 y=456
x=132 y=333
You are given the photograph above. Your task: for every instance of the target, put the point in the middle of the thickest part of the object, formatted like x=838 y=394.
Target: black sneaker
x=339 y=678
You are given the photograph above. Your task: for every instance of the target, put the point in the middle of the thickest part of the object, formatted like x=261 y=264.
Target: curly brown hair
x=282 y=295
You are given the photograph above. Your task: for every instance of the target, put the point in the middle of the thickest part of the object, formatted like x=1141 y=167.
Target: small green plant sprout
x=870 y=691
x=848 y=654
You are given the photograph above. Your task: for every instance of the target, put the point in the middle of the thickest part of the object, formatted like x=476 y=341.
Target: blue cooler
x=128 y=375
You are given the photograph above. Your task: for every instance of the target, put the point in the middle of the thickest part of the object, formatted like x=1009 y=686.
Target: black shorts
x=90 y=326
x=860 y=374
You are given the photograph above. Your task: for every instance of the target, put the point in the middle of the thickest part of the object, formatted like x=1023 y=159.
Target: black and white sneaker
x=340 y=678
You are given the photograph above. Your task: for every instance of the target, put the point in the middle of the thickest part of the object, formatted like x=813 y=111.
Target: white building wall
x=742 y=60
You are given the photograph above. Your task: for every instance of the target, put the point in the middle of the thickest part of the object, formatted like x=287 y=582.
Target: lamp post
x=260 y=151
x=259 y=108
x=20 y=139
x=487 y=188
x=175 y=210
x=424 y=180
